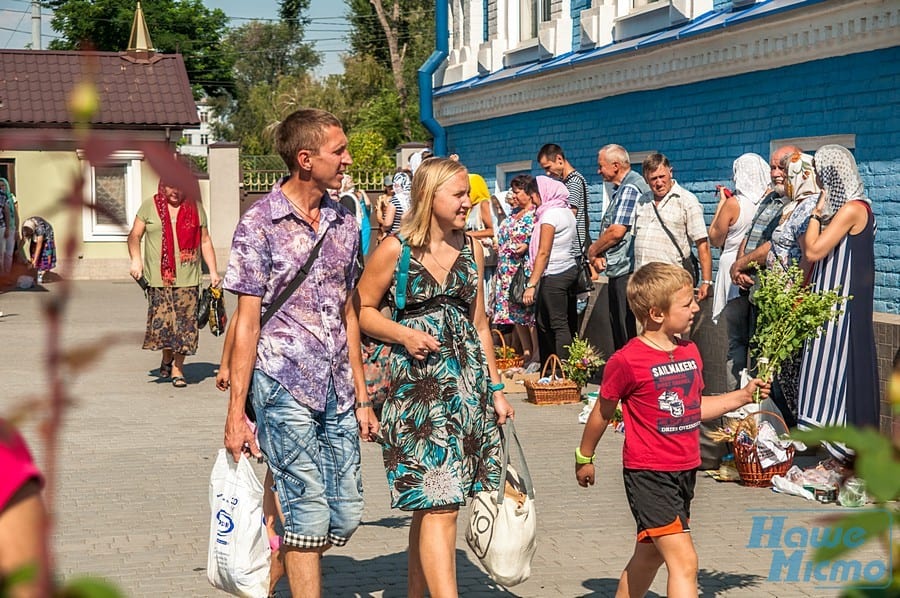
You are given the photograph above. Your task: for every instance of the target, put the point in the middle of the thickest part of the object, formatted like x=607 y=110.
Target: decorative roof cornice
x=824 y=30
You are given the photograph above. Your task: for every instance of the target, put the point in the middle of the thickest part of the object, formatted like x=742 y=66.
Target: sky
x=326 y=30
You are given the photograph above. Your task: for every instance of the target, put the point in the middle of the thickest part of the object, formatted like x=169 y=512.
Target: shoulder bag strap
x=667 y=231
x=294 y=284
x=402 y=274
x=507 y=432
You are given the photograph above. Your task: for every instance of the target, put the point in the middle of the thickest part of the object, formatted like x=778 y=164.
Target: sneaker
x=533 y=368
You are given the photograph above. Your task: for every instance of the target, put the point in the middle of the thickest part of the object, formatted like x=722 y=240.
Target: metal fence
x=259 y=173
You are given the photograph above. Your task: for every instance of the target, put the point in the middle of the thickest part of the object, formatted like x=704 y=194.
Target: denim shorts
x=315 y=460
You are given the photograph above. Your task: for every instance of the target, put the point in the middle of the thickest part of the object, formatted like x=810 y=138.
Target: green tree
x=264 y=52
x=185 y=26
x=399 y=36
x=369 y=152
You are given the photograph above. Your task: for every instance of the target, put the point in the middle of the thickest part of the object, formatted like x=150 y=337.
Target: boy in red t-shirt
x=658 y=378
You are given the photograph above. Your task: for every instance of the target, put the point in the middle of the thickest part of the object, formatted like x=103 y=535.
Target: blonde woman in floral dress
x=440 y=423
x=513 y=236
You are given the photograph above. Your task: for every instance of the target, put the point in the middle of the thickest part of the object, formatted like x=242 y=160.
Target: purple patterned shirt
x=304 y=345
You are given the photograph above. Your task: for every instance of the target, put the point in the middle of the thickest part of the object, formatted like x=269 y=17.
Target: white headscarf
x=751 y=177
x=837 y=168
x=402 y=188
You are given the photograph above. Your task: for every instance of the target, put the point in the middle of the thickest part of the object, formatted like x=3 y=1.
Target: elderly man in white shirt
x=668 y=220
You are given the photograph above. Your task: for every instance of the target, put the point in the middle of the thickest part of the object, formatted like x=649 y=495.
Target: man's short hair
x=653 y=286
x=654 y=161
x=550 y=151
x=616 y=153
x=520 y=181
x=303 y=129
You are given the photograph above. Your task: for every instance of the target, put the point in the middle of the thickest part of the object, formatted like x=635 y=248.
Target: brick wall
x=704 y=126
x=576 y=7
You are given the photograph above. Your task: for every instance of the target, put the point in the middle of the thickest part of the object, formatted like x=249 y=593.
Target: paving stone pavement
x=135 y=456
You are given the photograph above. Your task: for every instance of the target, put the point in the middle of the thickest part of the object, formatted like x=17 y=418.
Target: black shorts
x=660 y=501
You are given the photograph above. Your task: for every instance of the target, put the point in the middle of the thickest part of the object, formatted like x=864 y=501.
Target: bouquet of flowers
x=790 y=313
x=584 y=360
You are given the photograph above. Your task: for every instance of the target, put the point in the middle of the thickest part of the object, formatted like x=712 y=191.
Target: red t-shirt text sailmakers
x=660 y=404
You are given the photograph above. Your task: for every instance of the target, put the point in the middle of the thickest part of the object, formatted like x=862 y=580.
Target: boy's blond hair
x=653 y=286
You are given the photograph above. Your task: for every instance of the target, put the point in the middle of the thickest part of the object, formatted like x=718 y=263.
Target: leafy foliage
x=368 y=151
x=878 y=463
x=790 y=313
x=185 y=26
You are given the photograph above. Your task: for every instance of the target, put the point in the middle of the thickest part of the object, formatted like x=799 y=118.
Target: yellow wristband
x=581 y=459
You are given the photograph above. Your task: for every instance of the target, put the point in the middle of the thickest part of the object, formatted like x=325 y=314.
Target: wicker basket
x=506 y=363
x=558 y=392
x=746 y=459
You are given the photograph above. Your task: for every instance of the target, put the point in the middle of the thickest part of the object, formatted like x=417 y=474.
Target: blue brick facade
x=702 y=127
x=576 y=6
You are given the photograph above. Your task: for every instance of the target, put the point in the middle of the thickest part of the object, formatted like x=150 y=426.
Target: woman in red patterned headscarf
x=175 y=236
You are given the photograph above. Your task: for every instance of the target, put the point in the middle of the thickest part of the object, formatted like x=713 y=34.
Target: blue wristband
x=495 y=387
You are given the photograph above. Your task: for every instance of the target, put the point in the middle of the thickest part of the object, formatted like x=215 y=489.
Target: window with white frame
x=531 y=14
x=811 y=144
x=204 y=139
x=113 y=191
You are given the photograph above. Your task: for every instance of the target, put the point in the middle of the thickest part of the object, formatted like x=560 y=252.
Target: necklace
x=306 y=215
x=655 y=344
x=440 y=265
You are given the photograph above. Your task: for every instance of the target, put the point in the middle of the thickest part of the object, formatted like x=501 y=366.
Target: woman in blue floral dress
x=513 y=236
x=440 y=423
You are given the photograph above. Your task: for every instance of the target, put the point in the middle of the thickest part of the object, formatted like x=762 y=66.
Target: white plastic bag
x=502 y=524
x=238 y=558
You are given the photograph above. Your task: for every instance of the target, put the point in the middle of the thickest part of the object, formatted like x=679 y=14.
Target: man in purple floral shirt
x=309 y=391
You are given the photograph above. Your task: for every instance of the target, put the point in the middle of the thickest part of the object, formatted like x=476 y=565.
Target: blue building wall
x=703 y=127
x=576 y=6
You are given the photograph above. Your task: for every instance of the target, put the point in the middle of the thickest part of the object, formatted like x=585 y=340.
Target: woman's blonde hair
x=415 y=227
x=653 y=286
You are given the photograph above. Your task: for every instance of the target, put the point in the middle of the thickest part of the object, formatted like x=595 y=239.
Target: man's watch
x=528 y=285
x=709 y=282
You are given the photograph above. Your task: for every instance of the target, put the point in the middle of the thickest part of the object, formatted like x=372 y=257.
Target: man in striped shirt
x=553 y=161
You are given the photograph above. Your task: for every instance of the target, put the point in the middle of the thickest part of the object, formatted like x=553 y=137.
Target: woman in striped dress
x=839 y=375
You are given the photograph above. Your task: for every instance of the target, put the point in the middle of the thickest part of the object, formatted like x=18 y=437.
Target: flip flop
x=165 y=368
x=179 y=382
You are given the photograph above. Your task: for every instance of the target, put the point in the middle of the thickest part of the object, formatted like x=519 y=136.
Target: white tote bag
x=238 y=558
x=502 y=524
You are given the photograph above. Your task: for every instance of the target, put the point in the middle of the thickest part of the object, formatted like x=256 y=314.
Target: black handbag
x=584 y=283
x=689 y=262
x=202 y=315
x=517 y=286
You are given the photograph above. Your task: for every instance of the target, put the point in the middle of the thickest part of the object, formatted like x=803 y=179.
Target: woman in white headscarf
x=399 y=202
x=839 y=374
x=732 y=220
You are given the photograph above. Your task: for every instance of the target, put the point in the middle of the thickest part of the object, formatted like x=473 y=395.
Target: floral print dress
x=442 y=442
x=512 y=232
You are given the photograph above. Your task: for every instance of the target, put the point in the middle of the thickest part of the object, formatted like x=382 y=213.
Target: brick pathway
x=131 y=502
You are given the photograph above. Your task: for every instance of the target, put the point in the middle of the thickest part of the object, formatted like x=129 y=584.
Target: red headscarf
x=187 y=227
